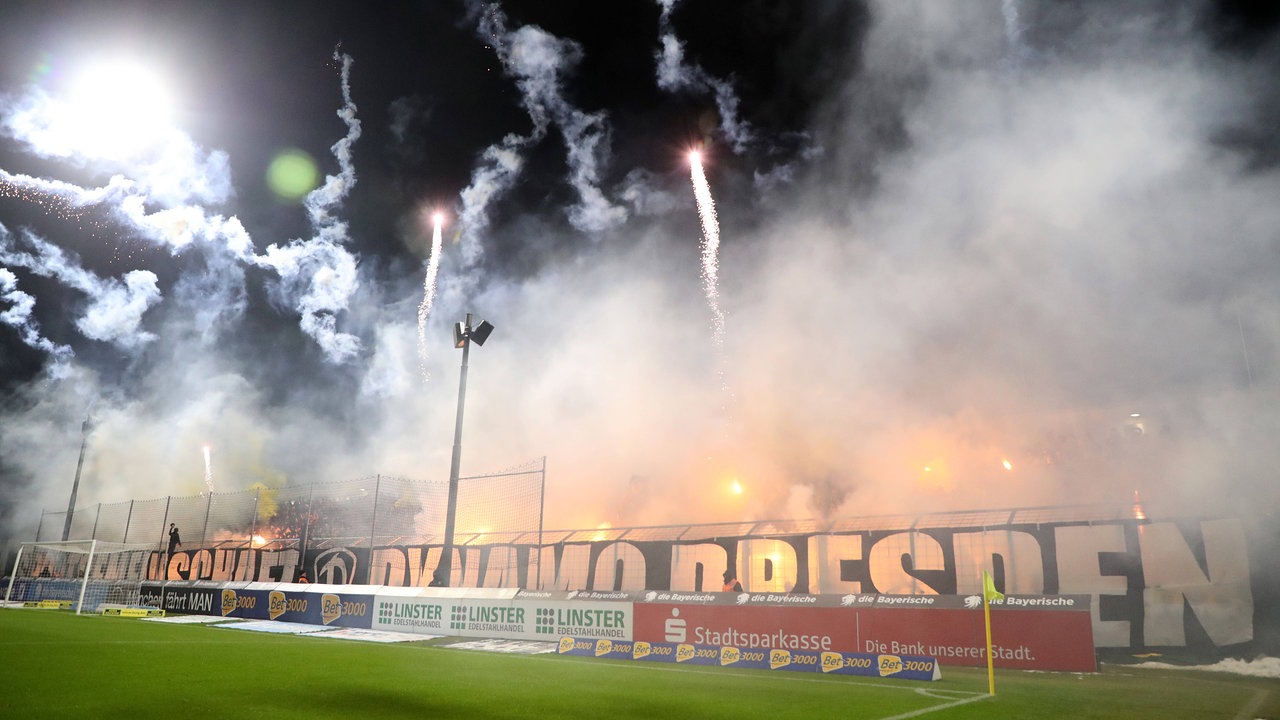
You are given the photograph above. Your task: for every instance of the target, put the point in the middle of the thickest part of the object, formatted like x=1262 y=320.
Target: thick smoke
x=539 y=63
x=675 y=74
x=115 y=308
x=1033 y=264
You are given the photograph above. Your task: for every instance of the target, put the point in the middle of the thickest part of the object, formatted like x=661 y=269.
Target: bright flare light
x=114 y=110
x=710 y=245
x=735 y=487
x=1007 y=465
x=259 y=541
x=208 y=468
x=429 y=290
x=1138 y=512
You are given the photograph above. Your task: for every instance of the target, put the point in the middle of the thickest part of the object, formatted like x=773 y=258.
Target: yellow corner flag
x=989 y=593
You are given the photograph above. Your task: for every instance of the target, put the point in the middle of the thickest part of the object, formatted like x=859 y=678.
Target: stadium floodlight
x=75 y=485
x=464 y=333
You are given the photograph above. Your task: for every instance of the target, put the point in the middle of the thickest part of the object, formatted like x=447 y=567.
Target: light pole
x=75 y=485
x=463 y=335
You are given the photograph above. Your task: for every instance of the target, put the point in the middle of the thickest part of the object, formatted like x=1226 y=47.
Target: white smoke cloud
x=18 y=316
x=319 y=271
x=318 y=275
x=499 y=168
x=539 y=62
x=980 y=266
x=674 y=74
x=170 y=170
x=115 y=309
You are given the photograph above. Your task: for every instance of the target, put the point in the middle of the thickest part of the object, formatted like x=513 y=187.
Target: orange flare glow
x=1138 y=512
x=601 y=535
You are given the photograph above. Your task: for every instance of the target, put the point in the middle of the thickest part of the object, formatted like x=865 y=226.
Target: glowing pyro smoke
x=429 y=291
x=710 y=246
x=208 y=469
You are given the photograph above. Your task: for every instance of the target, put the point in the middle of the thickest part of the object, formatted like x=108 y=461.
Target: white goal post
x=79 y=574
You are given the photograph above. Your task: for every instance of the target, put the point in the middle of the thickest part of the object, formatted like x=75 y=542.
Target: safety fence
x=365 y=512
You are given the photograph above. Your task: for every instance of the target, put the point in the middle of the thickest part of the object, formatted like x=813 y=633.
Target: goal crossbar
x=81 y=573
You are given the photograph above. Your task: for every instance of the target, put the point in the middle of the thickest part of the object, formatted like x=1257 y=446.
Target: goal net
x=78 y=574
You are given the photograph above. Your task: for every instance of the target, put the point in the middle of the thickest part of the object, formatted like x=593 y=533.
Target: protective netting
x=372 y=511
x=79 y=574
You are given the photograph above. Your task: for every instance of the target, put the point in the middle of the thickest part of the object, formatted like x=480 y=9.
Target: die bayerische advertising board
x=1028 y=632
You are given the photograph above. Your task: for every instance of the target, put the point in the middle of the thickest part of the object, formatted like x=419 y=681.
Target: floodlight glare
x=115 y=109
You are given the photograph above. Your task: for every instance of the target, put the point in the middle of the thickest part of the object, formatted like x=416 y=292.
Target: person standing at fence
x=175 y=541
x=731 y=583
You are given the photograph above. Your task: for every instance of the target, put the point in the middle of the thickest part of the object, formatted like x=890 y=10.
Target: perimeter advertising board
x=182 y=598
x=905 y=667
x=1040 y=633
x=313 y=605
x=523 y=619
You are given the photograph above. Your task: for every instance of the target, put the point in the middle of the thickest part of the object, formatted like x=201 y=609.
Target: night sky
x=971 y=254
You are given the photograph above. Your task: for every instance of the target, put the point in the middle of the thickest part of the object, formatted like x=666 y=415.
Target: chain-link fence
x=366 y=512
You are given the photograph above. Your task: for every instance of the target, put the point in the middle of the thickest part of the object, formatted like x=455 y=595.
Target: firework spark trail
x=710 y=247
x=429 y=292
x=208 y=469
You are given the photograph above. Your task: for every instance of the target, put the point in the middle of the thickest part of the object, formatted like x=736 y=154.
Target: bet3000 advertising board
x=907 y=667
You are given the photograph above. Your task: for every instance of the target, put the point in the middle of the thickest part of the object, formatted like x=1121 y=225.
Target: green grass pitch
x=55 y=664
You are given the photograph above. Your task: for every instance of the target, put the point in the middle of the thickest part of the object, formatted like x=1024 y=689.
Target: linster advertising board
x=908 y=667
x=1028 y=632
x=524 y=618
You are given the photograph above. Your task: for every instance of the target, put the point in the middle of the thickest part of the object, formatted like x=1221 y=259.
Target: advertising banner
x=756 y=627
x=907 y=667
x=185 y=598
x=310 y=604
x=1028 y=632
x=1185 y=582
x=1041 y=632
x=523 y=619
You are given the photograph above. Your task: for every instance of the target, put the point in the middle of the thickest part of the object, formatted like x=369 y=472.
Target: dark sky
x=953 y=237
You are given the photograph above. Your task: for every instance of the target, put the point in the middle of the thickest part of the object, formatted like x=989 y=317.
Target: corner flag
x=989 y=594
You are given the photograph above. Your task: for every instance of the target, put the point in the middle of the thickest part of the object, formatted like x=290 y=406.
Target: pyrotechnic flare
x=208 y=469
x=429 y=291
x=710 y=247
